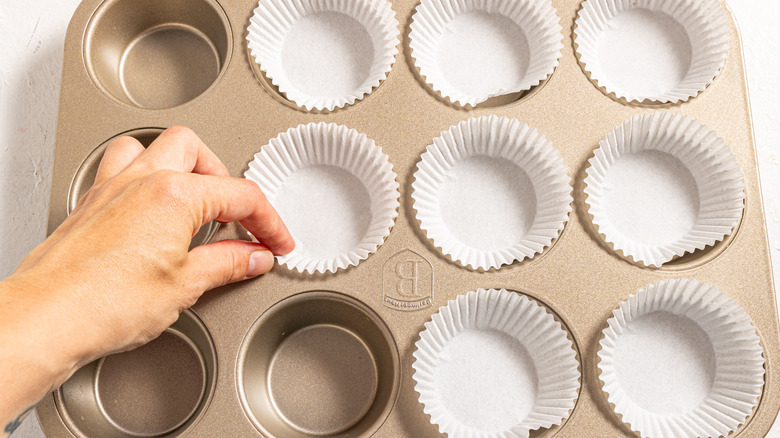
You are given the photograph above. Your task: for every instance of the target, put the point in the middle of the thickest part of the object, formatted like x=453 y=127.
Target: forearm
x=34 y=359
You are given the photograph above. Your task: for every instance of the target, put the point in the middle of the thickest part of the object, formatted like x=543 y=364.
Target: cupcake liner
x=537 y=20
x=494 y=137
x=739 y=361
x=273 y=19
x=703 y=20
x=326 y=146
x=521 y=319
x=714 y=168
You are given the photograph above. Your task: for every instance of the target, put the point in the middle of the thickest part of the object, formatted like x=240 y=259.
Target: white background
x=31 y=39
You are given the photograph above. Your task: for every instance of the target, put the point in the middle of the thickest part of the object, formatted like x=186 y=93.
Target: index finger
x=227 y=199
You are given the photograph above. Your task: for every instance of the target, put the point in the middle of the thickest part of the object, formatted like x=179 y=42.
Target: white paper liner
x=273 y=19
x=703 y=20
x=496 y=137
x=521 y=318
x=714 y=168
x=739 y=367
x=322 y=144
x=537 y=19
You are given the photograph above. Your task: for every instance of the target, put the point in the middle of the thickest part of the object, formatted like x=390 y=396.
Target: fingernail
x=260 y=262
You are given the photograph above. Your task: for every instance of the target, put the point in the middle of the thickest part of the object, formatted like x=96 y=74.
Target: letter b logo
x=407 y=281
x=407 y=272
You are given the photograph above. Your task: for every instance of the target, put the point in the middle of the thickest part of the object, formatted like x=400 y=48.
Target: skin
x=118 y=271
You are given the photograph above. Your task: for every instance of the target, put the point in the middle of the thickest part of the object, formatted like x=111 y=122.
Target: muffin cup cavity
x=334 y=188
x=324 y=54
x=494 y=363
x=652 y=51
x=491 y=191
x=157 y=390
x=188 y=43
x=680 y=358
x=662 y=185
x=318 y=363
x=454 y=43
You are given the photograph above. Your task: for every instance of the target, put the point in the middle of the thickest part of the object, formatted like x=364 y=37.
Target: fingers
x=233 y=199
x=120 y=153
x=179 y=149
x=228 y=261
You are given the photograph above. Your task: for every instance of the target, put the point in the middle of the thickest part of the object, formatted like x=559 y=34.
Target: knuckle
x=187 y=135
x=235 y=269
x=164 y=178
x=179 y=130
x=187 y=142
x=275 y=225
x=230 y=272
x=254 y=191
x=232 y=267
x=120 y=147
x=168 y=186
x=112 y=185
x=122 y=142
x=189 y=292
x=225 y=269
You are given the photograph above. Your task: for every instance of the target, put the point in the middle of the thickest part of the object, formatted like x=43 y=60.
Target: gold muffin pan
x=292 y=354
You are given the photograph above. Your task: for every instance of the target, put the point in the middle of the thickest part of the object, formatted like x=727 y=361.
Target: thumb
x=227 y=261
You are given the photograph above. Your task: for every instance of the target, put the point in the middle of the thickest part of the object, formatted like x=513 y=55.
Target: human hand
x=118 y=272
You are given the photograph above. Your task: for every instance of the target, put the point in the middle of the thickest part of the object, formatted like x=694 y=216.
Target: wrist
x=40 y=330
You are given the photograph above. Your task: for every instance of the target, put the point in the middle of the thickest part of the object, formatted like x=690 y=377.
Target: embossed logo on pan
x=407 y=282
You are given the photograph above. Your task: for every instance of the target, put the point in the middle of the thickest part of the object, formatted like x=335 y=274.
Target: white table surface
x=31 y=39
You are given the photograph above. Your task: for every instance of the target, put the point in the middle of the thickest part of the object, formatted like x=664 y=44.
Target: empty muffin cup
x=652 y=51
x=491 y=191
x=470 y=51
x=315 y=364
x=324 y=55
x=492 y=364
x=680 y=358
x=157 y=390
x=335 y=190
x=157 y=53
x=85 y=177
x=662 y=185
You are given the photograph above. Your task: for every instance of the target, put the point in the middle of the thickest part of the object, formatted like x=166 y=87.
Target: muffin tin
x=297 y=354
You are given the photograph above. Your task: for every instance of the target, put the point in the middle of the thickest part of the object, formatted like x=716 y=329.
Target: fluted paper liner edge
x=496 y=137
x=333 y=145
x=739 y=374
x=720 y=182
x=520 y=317
x=272 y=20
x=537 y=19
x=704 y=22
